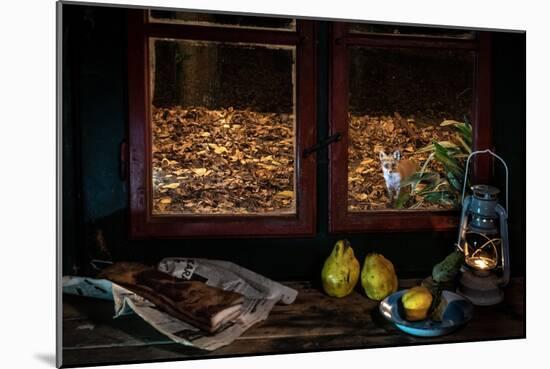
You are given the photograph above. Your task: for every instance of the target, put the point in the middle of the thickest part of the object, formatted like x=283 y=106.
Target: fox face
x=390 y=162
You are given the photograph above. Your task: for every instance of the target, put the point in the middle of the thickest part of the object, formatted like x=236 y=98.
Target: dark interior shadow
x=46 y=358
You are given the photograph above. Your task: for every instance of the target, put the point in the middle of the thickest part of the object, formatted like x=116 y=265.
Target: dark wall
x=509 y=133
x=95 y=196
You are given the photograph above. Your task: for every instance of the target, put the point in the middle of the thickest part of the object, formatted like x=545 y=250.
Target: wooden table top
x=314 y=322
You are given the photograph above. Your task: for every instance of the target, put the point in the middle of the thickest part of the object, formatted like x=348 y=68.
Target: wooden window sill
x=314 y=322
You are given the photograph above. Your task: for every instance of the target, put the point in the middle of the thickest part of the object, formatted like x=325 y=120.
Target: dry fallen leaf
x=367 y=161
x=285 y=194
x=171 y=185
x=220 y=150
x=267 y=166
x=201 y=171
x=362 y=197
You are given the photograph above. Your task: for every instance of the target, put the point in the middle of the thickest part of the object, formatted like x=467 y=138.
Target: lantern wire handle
x=489 y=242
x=466 y=172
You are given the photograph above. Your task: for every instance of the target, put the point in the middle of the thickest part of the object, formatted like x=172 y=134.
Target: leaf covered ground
x=231 y=161
x=368 y=135
x=222 y=161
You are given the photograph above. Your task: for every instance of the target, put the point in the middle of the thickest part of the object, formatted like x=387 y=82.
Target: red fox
x=396 y=170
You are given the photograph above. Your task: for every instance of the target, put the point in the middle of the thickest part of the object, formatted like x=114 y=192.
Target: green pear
x=341 y=270
x=378 y=277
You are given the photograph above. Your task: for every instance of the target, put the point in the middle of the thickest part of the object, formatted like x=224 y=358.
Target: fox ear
x=397 y=155
x=382 y=155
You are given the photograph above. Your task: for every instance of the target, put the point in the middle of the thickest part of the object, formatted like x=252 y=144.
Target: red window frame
x=143 y=224
x=340 y=219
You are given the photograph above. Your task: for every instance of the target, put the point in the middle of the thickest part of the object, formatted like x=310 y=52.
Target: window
x=220 y=107
x=222 y=110
x=402 y=98
x=397 y=99
x=223 y=128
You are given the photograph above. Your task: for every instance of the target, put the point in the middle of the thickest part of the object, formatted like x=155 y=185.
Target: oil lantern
x=483 y=238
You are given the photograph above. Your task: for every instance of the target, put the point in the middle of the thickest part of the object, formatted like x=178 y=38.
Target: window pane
x=222 y=20
x=397 y=102
x=223 y=128
x=410 y=30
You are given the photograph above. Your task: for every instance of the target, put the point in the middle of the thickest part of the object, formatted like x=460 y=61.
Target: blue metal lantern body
x=484 y=231
x=483 y=238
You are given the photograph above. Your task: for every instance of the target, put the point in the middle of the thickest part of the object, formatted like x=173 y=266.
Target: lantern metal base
x=481 y=289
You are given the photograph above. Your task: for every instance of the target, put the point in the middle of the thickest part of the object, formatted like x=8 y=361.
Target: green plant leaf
x=445 y=144
x=450 y=154
x=464 y=145
x=442 y=184
x=429 y=188
x=402 y=199
x=452 y=165
x=465 y=130
x=455 y=182
x=445 y=197
x=420 y=177
x=449 y=122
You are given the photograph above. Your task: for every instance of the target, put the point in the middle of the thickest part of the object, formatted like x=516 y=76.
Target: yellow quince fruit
x=341 y=270
x=378 y=277
x=416 y=303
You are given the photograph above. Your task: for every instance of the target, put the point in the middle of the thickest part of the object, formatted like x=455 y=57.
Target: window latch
x=329 y=140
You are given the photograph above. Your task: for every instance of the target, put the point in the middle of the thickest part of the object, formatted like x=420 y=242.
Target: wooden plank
x=390 y=41
x=483 y=123
x=223 y=34
x=247 y=347
x=313 y=322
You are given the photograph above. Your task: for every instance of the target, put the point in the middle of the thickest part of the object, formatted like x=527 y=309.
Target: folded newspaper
x=260 y=295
